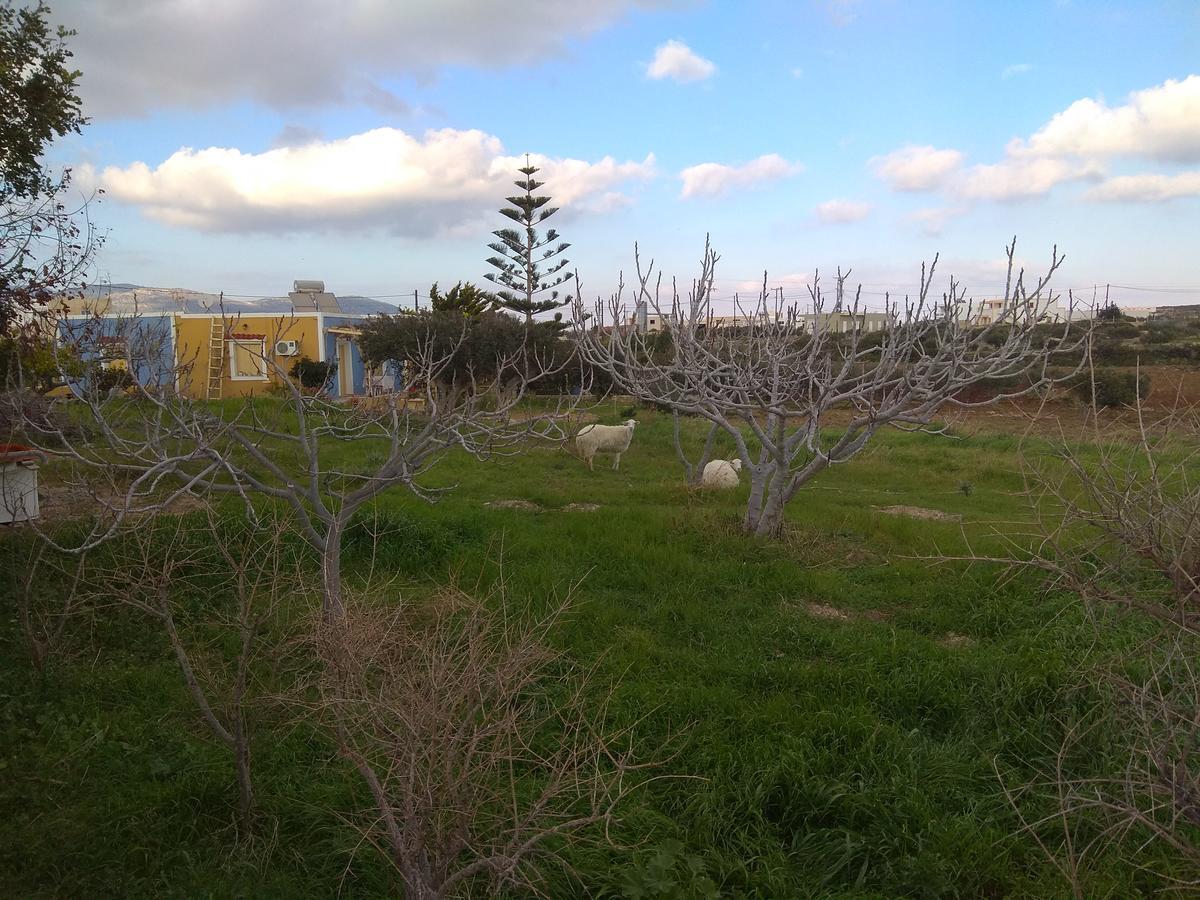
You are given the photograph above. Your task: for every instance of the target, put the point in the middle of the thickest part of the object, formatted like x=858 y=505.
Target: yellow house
x=235 y=355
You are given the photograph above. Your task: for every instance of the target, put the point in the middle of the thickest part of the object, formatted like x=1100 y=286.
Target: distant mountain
x=127 y=299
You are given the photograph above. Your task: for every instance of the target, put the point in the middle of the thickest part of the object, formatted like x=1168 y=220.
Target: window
x=246 y=360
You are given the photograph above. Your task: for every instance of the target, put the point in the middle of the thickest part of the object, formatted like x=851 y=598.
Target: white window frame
x=261 y=354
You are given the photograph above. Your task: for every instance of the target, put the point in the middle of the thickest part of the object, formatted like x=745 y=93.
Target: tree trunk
x=241 y=759
x=760 y=475
x=764 y=508
x=331 y=573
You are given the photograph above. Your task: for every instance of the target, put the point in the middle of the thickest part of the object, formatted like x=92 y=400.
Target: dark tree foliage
x=312 y=374
x=463 y=298
x=477 y=346
x=521 y=253
x=1109 y=313
x=46 y=242
x=37 y=90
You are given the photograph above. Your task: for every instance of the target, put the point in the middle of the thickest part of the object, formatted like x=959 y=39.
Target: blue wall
x=149 y=346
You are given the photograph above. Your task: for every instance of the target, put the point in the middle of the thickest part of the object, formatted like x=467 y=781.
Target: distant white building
x=844 y=322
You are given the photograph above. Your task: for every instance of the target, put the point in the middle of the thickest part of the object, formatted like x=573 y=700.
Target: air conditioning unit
x=286 y=348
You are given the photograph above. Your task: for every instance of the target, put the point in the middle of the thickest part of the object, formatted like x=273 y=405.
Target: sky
x=241 y=145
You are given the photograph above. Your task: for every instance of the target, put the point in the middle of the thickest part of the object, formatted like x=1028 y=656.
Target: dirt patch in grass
x=919 y=512
x=61 y=502
x=953 y=640
x=833 y=614
x=530 y=506
x=527 y=505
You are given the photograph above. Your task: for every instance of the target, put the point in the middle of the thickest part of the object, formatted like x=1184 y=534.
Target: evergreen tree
x=522 y=252
x=464 y=298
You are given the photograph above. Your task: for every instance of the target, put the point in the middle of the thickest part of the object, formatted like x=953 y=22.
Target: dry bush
x=44 y=605
x=476 y=740
x=1118 y=525
x=213 y=588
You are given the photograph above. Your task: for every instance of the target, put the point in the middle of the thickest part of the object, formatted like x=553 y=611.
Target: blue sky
x=868 y=134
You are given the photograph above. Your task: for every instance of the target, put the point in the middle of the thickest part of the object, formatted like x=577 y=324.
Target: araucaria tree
x=800 y=393
x=522 y=252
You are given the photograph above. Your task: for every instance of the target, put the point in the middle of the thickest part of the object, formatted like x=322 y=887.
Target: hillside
x=135 y=298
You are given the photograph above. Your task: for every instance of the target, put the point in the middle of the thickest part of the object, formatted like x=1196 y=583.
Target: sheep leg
x=589 y=464
x=617 y=462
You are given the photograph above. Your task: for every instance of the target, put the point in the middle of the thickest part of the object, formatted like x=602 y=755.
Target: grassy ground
x=840 y=705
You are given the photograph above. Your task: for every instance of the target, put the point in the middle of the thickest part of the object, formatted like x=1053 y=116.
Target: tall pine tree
x=522 y=253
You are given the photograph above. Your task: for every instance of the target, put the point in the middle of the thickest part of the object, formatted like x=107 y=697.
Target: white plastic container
x=18 y=483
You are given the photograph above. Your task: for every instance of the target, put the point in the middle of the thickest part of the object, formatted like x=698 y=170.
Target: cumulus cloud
x=1017 y=179
x=138 y=56
x=1159 y=123
x=914 y=168
x=1147 y=187
x=713 y=179
x=841 y=212
x=417 y=186
x=677 y=61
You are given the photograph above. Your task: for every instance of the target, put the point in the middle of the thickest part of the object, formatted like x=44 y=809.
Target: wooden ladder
x=216 y=358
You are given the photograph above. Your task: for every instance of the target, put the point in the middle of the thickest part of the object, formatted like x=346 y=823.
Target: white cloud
x=840 y=212
x=1016 y=69
x=1016 y=179
x=141 y=55
x=932 y=220
x=384 y=178
x=797 y=72
x=712 y=179
x=916 y=168
x=677 y=61
x=1147 y=187
x=1160 y=123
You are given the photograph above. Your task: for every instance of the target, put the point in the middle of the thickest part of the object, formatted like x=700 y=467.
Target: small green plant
x=966 y=488
x=1112 y=388
x=670 y=874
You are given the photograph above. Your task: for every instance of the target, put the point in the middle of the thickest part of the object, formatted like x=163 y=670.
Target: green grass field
x=839 y=705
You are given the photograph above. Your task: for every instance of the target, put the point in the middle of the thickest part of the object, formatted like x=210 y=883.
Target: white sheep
x=721 y=474
x=593 y=439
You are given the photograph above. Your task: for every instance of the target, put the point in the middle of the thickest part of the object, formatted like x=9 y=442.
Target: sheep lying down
x=593 y=439
x=721 y=474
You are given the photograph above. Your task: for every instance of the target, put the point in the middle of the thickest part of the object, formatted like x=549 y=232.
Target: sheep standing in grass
x=721 y=474
x=593 y=439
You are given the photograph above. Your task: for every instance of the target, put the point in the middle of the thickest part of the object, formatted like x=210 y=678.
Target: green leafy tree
x=38 y=88
x=46 y=246
x=526 y=287
x=463 y=298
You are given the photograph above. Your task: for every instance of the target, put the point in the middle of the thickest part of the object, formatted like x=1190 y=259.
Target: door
x=345 y=370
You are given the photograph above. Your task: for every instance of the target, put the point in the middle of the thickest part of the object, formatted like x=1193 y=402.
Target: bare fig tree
x=472 y=736
x=799 y=393
x=153 y=443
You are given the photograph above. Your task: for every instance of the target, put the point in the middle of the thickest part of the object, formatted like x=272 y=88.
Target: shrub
x=107 y=380
x=312 y=374
x=1112 y=388
x=1123 y=330
x=1162 y=334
